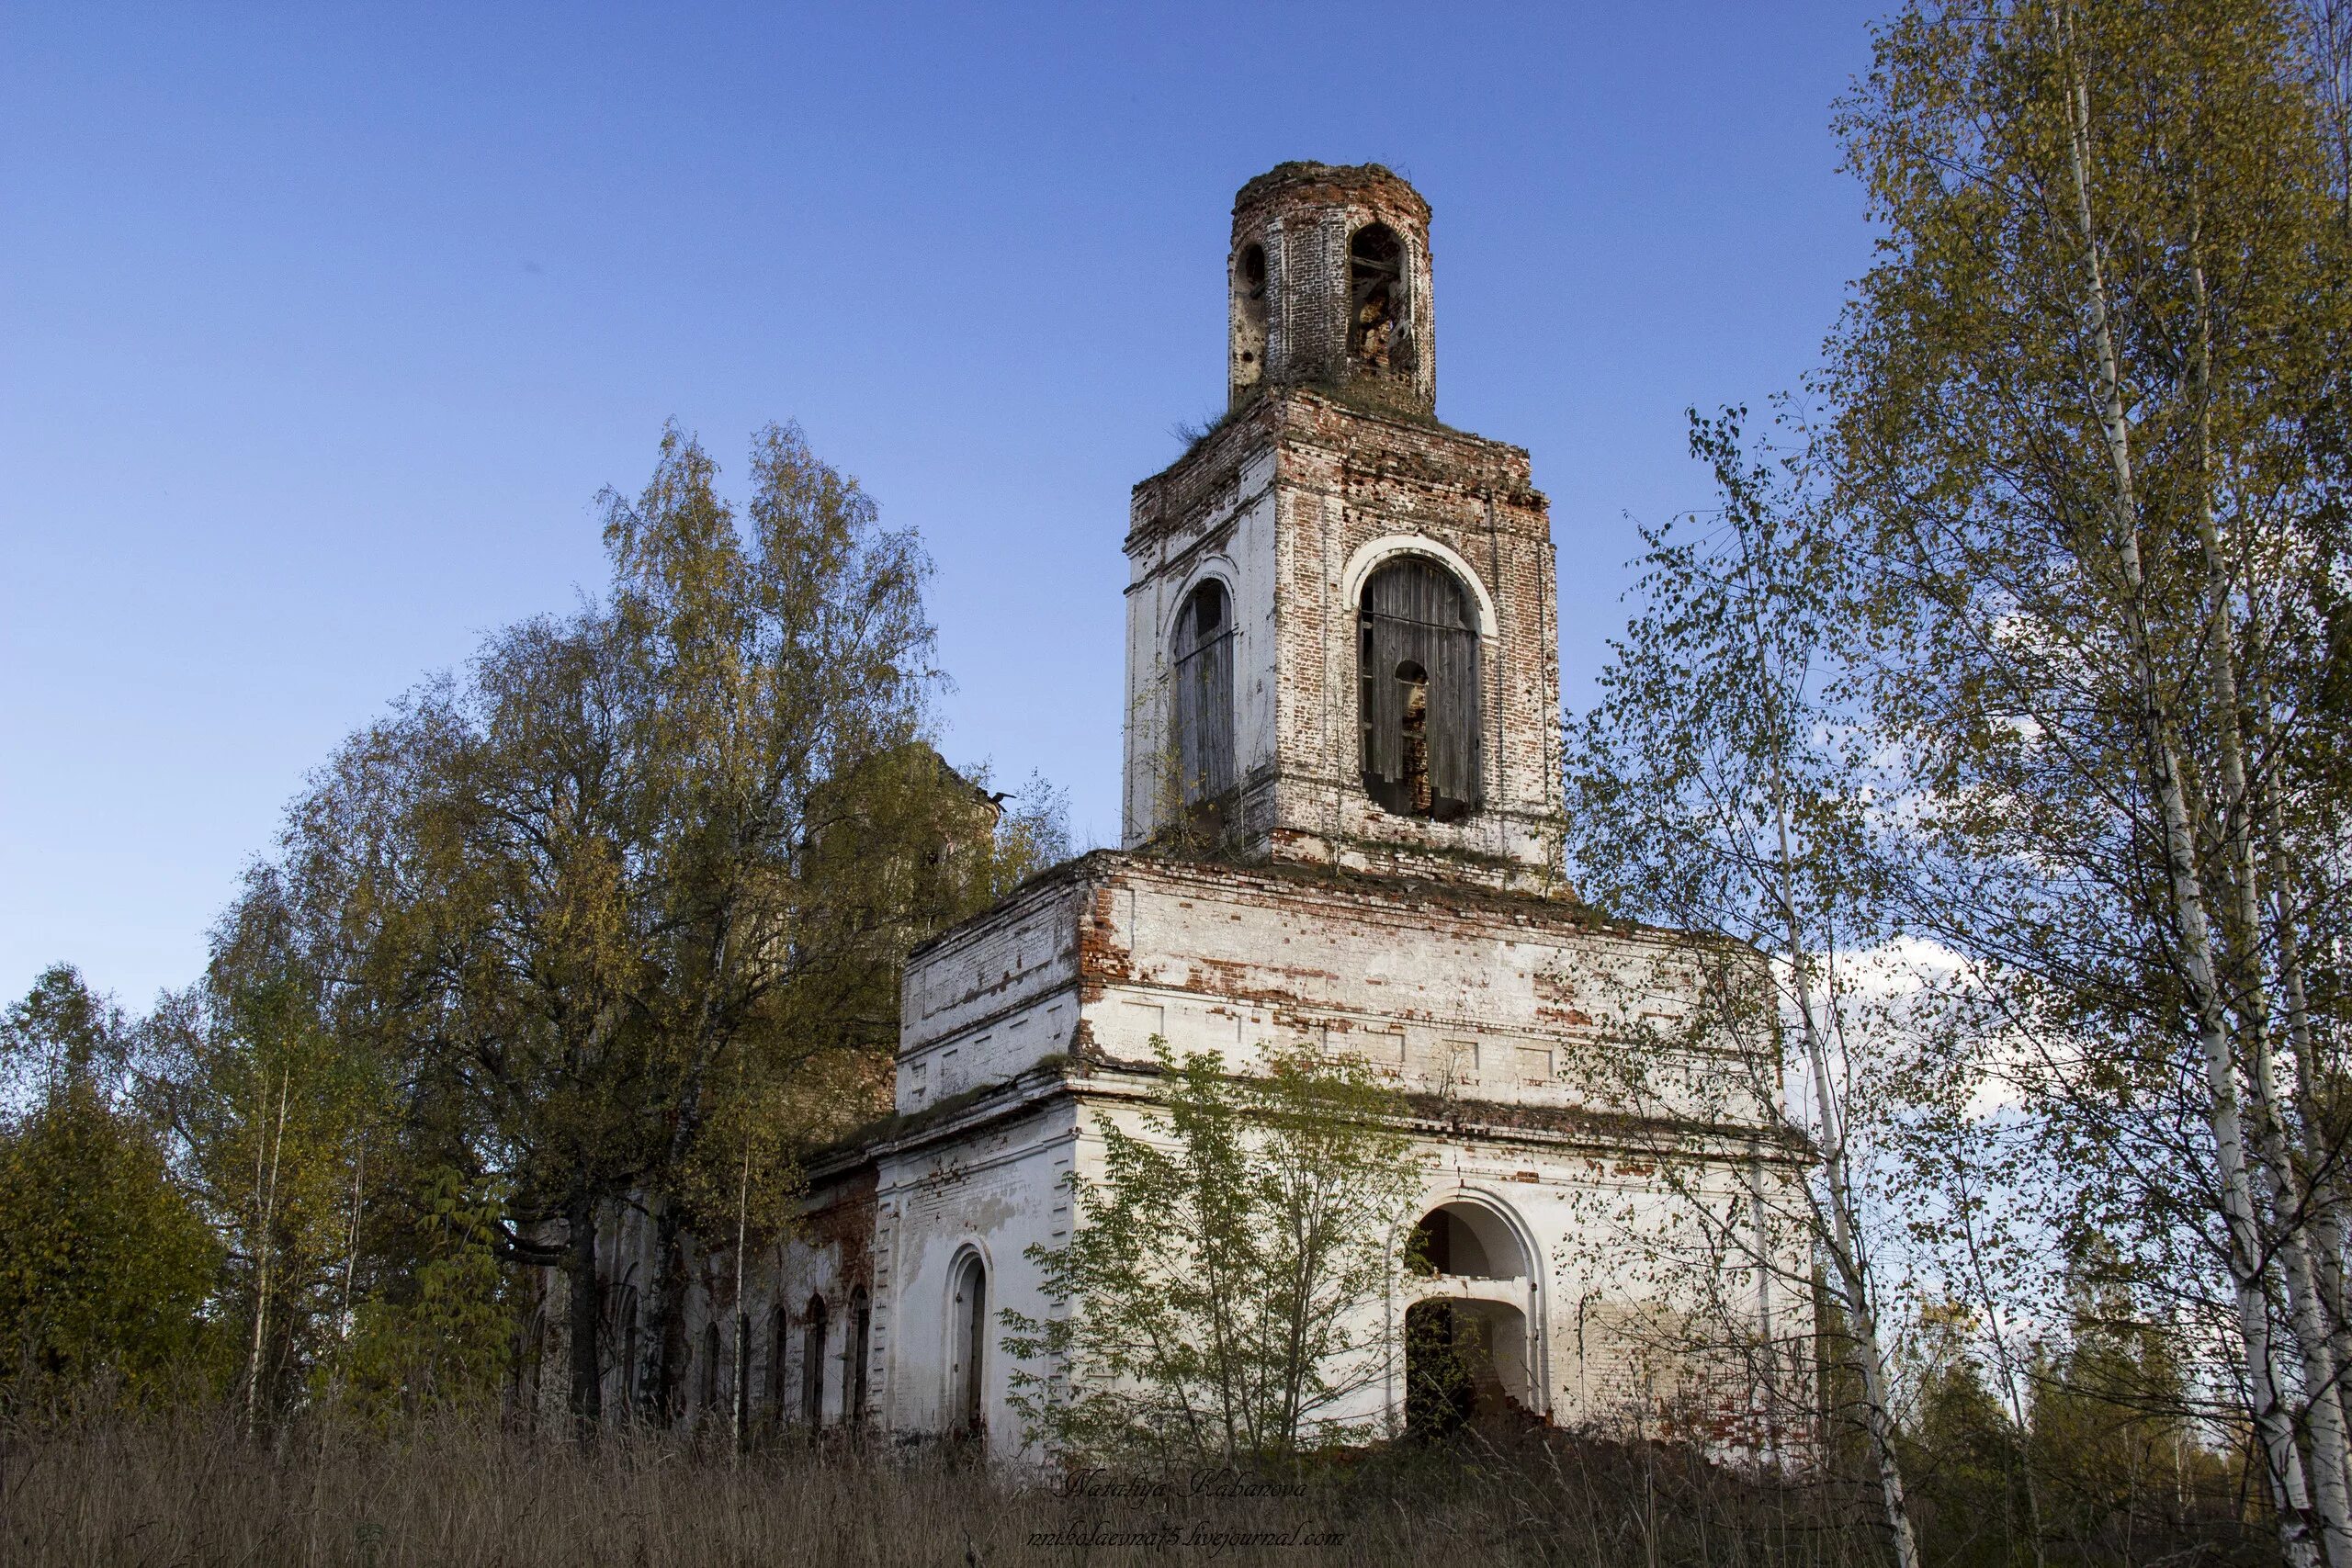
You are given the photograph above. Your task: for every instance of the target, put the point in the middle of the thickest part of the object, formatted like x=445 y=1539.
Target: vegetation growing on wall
x=1201 y=1306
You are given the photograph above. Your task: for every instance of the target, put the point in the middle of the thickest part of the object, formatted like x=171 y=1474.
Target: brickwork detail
x=1280 y=502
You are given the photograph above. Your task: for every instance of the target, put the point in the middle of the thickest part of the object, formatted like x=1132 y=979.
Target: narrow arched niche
x=710 y=1354
x=861 y=1344
x=812 y=1363
x=968 y=1320
x=779 y=1352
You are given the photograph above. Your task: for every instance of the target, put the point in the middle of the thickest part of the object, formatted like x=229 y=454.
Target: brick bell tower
x=1343 y=642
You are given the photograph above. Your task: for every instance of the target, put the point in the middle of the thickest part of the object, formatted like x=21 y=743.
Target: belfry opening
x=1375 y=300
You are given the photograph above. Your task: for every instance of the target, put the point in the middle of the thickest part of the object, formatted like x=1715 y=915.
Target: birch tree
x=2089 y=419
x=1715 y=790
x=778 y=656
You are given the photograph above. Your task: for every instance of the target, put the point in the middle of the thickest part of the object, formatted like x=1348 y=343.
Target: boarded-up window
x=1203 y=676
x=1418 y=665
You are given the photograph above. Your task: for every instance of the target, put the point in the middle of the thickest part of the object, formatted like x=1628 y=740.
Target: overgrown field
x=192 y=1489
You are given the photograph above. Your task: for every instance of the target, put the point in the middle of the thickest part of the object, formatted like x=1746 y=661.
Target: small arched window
x=1203 y=676
x=812 y=1364
x=710 y=1365
x=861 y=1337
x=1418 y=668
x=1254 y=279
x=1375 y=300
x=779 y=1350
x=968 y=1321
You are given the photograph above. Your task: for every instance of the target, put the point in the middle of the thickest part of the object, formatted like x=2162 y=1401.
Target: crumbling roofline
x=1252 y=417
x=1377 y=177
x=1364 y=886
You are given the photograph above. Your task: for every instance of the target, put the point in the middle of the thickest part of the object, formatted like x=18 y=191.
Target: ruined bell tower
x=1330 y=275
x=1341 y=624
x=1341 y=679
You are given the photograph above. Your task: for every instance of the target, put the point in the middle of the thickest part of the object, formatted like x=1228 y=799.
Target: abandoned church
x=1343 y=691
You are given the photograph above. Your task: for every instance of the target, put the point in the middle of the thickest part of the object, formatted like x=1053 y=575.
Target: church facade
x=1342 y=809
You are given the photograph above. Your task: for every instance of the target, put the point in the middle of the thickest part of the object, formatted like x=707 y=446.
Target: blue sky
x=321 y=327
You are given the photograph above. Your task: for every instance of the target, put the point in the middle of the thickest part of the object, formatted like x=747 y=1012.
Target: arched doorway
x=1468 y=1351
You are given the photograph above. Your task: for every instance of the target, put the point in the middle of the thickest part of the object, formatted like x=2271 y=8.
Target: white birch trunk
x=2314 y=1332
x=263 y=1249
x=1845 y=1242
x=2188 y=899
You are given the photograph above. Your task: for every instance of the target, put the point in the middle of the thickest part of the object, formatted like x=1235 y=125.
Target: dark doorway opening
x=1451 y=1379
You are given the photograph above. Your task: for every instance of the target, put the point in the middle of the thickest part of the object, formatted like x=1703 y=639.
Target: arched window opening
x=710 y=1365
x=1375 y=297
x=968 y=1321
x=1203 y=677
x=861 y=1338
x=812 y=1364
x=628 y=1345
x=1418 y=661
x=1253 y=277
x=1249 y=314
x=779 y=1349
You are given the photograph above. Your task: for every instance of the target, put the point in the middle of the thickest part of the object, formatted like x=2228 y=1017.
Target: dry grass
x=189 y=1489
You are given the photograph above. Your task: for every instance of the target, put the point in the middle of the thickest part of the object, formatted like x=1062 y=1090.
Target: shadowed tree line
x=615 y=914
